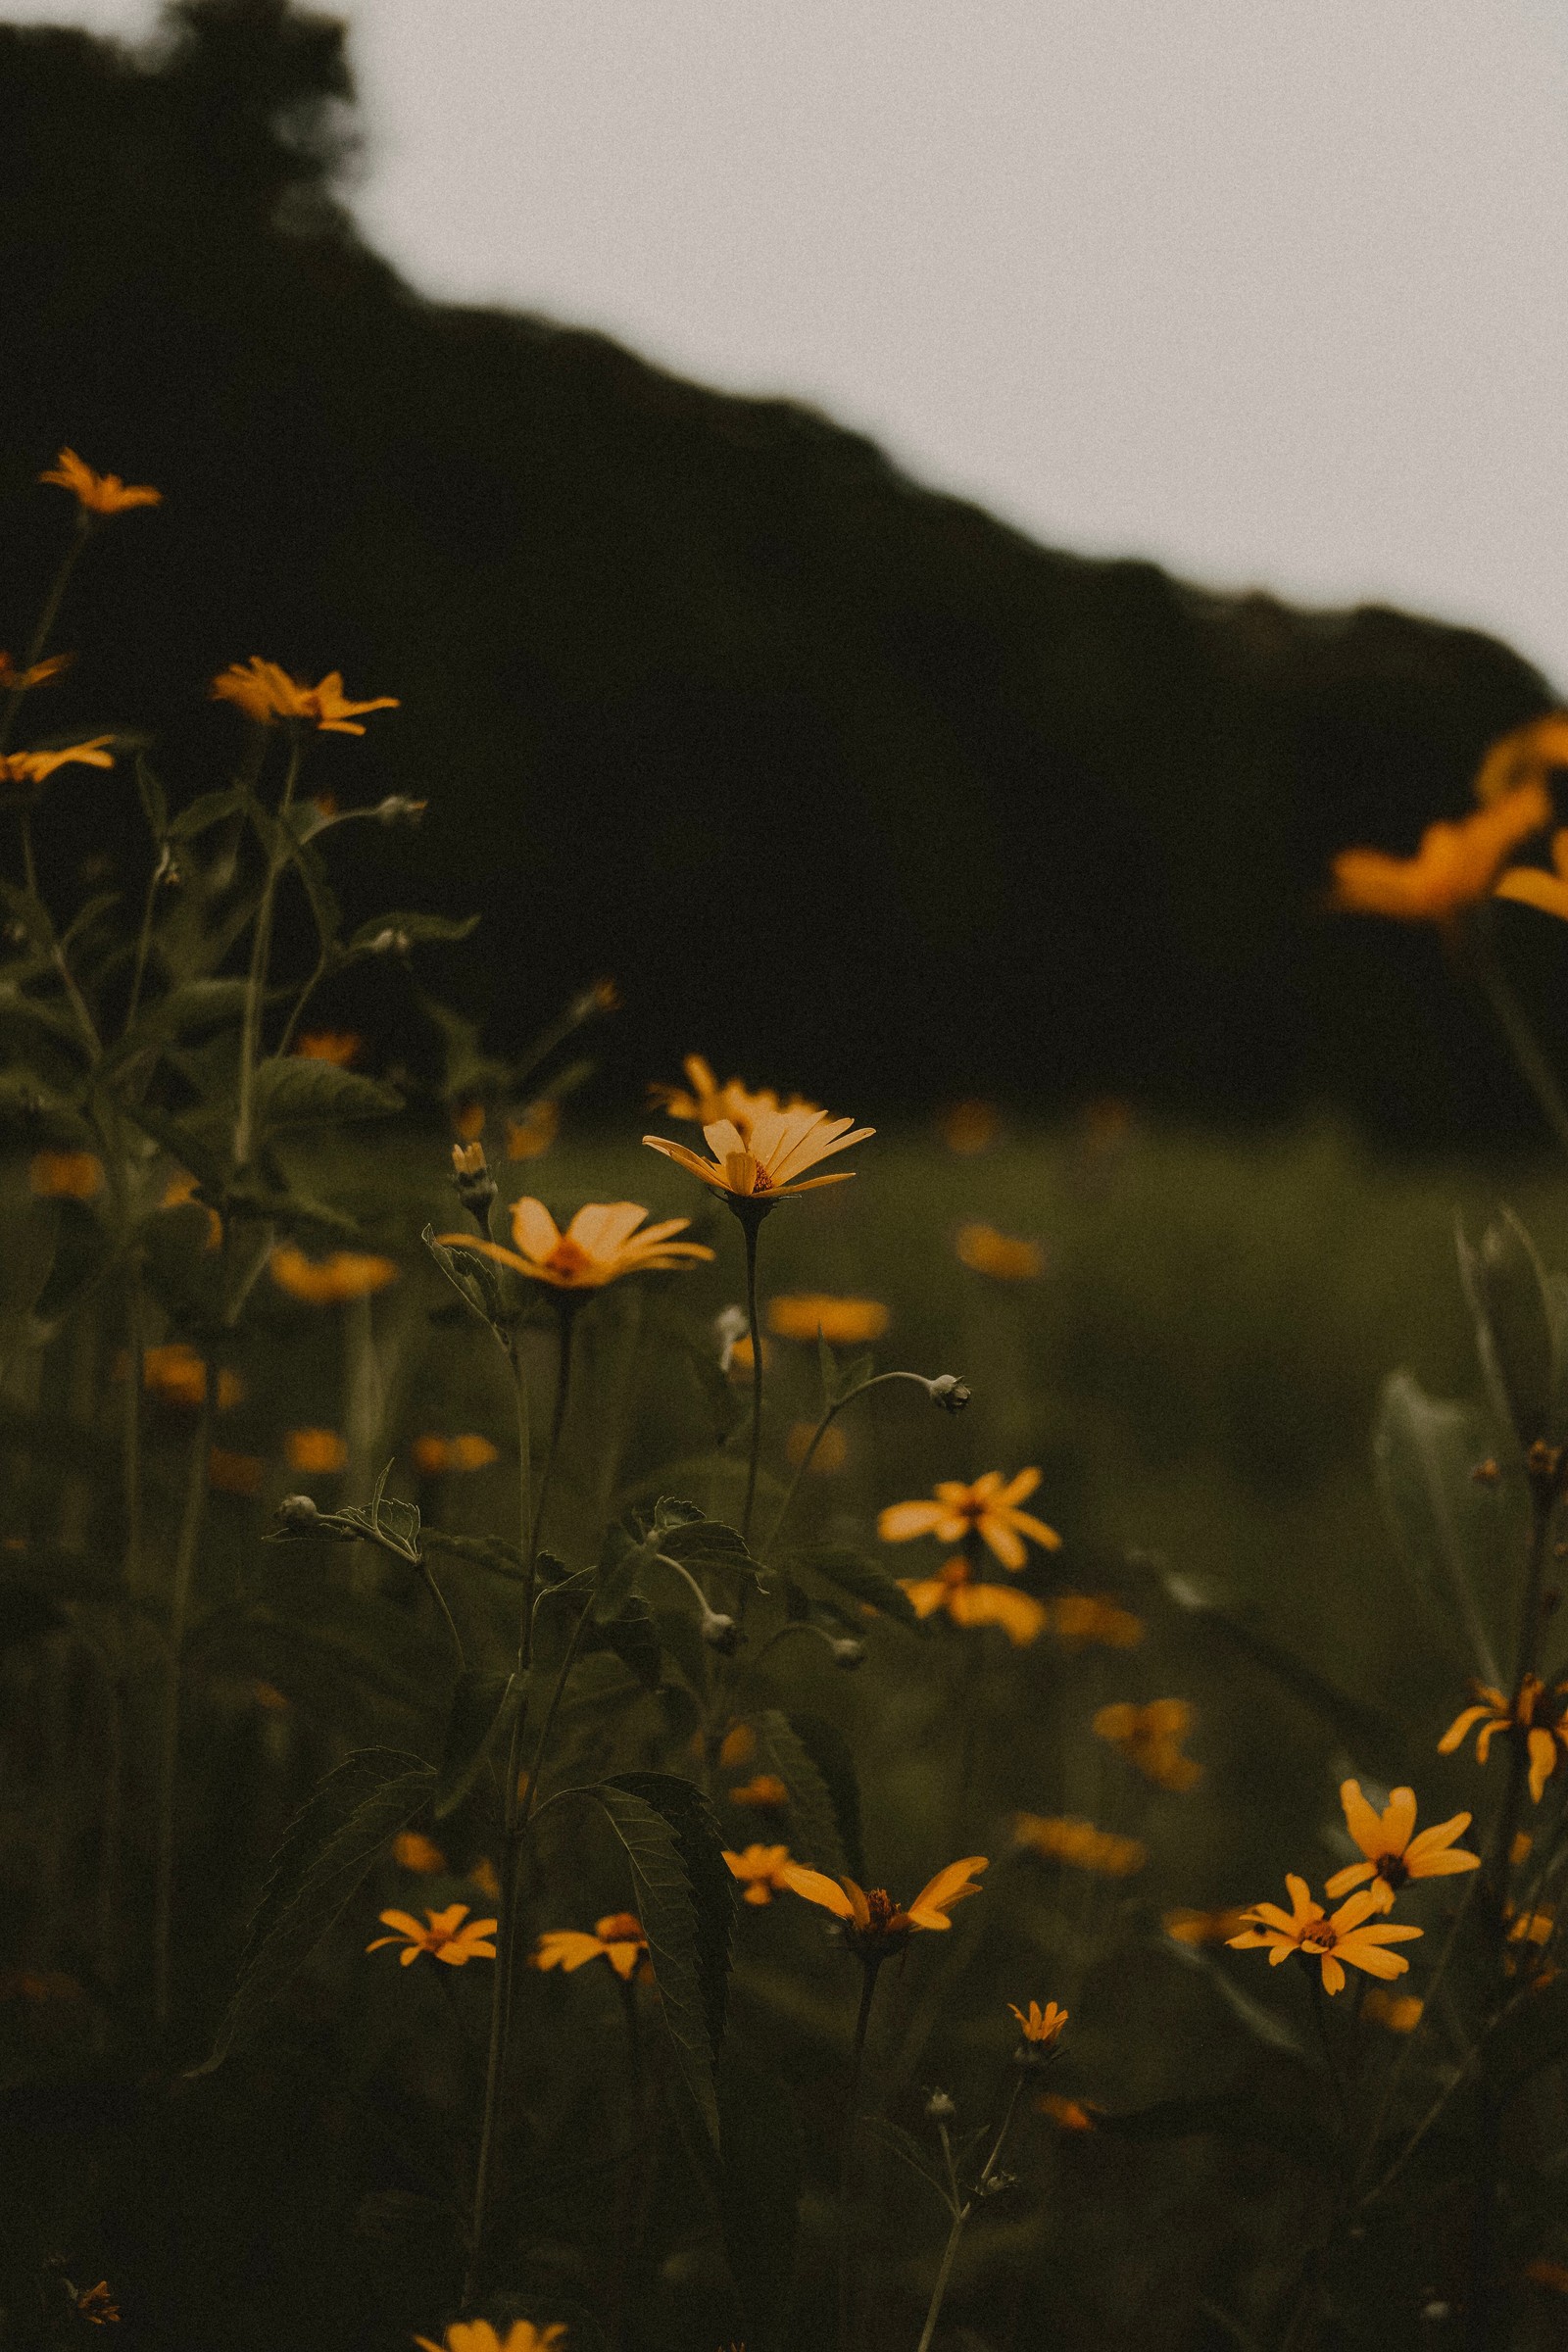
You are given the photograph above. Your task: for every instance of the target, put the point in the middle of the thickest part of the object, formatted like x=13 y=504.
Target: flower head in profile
x=987 y=1511
x=1398 y=2012
x=22 y=681
x=1394 y=1853
x=1353 y=1935
x=1455 y=865
x=758 y=1159
x=98 y=493
x=1080 y=1617
x=1042 y=2029
x=872 y=1924
x=37 y=767
x=1060 y=1838
x=336 y=1046
x=1541 y=1721
x=616 y=1938
x=478 y=2335
x=761 y=1871
x=445 y=1937
x=702 y=1100
x=961 y=1597
x=266 y=693
x=600 y=1245
x=530 y=1135
x=1203 y=1927
x=1151 y=1739
x=65 y=1175
x=1002 y=1256
x=764 y=1791
x=842 y=1322
x=413 y=1850
x=329 y=1281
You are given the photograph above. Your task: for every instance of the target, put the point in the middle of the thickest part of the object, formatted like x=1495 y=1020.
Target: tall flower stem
x=1497 y=1871
x=829 y=1417
x=872 y=1967
x=961 y=2209
x=190 y=1532
x=256 y=978
x=567 y=1304
x=751 y=1214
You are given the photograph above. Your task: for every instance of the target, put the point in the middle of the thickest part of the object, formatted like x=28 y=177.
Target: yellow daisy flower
x=98 y=493
x=329 y=1281
x=616 y=1938
x=266 y=693
x=988 y=1511
x=1151 y=1739
x=842 y=1322
x=37 y=767
x=1541 y=1718
x=761 y=1871
x=703 y=1099
x=1041 y=2027
x=1393 y=1856
x=1455 y=865
x=873 y=1925
x=1060 y=1838
x=1350 y=1936
x=764 y=1157
x=478 y=2335
x=443 y=1938
x=600 y=1245
x=960 y=1597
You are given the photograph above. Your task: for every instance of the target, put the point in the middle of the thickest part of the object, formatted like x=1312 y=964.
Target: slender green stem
x=939 y=2292
x=870 y=1968
x=1498 y=1869
x=961 y=2208
x=629 y=2207
x=301 y=1000
x=46 y=621
x=526 y=1510
x=567 y=1306
x=829 y=1417
x=144 y=934
x=749 y=1225
x=190 y=1530
x=256 y=978
x=1320 y=2019
x=440 y=1599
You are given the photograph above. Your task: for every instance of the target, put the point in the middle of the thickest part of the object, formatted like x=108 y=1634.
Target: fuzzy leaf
x=473 y=1279
x=208 y=810
x=292 y=1091
x=850 y=1571
x=834 y=1759
x=815 y=1837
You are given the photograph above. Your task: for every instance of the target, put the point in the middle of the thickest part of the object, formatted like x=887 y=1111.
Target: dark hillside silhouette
x=848 y=784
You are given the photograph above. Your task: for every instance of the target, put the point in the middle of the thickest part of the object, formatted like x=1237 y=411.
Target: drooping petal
x=999 y=1539
x=1037 y=1529
x=1332 y=1974
x=817 y=1888
x=1462 y=1723
x=951 y=1886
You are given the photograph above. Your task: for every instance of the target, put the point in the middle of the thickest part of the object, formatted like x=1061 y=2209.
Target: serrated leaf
x=908 y=2151
x=685 y=1533
x=325 y=1855
x=684 y=1895
x=1505 y=1286
x=1444 y=1525
x=852 y=1573
x=813 y=1838
x=834 y=1759
x=294 y=1092
x=622 y=1562
x=472 y=1278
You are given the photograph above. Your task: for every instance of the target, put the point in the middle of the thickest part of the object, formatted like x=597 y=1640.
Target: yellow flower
x=478 y=2335
x=1061 y=1838
x=180 y=1193
x=38 y=673
x=467 y=1120
x=616 y=1938
x=65 y=1175
x=35 y=767
x=327 y=1281
x=531 y=1136
x=1541 y=1718
x=1202 y=1926
x=234 y=1473
x=1455 y=865
x=1073 y=2115
x=956 y=1592
x=842 y=1322
x=266 y=693
x=764 y=1790
x=316 y=1451
x=830 y=1452
x=707 y=1101
x=600 y=1245
x=1398 y=2012
x=177 y=1372
x=433 y=1456
x=1041 y=2027
x=970 y=1126
x=1532 y=1927
x=1532 y=886
x=97 y=2306
x=738 y=1746
x=98 y=493
x=484 y=1874
x=1078 y=1617
x=761 y=1870
x=445 y=1938
x=1346 y=1937
x=411 y=1851
x=984 y=1250
x=762 y=1158
x=988 y=1509
x=873 y=1925
x=1394 y=1857
x=336 y=1046
x=1151 y=1739
x=1527 y=754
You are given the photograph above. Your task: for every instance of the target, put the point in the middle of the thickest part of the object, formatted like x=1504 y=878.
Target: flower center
x=1393 y=1868
x=569 y=1258
x=956 y=1573
x=1319 y=1934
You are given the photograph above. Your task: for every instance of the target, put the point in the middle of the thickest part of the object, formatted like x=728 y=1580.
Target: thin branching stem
x=829 y=1417
x=567 y=1306
x=961 y=2208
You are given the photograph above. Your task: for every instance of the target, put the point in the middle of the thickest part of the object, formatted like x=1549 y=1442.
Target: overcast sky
x=1271 y=290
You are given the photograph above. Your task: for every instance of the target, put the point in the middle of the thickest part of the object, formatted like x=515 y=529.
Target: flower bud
x=730 y=1327
x=389 y=943
x=470 y=1176
x=720 y=1632
x=848 y=1654
x=398 y=809
x=939 y=2108
x=297 y=1511
x=949 y=1392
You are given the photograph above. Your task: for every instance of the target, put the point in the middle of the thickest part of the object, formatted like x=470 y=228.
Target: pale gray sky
x=1271 y=290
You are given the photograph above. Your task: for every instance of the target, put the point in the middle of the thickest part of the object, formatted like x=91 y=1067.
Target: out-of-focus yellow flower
x=1353 y=1935
x=1151 y=1739
x=531 y=1136
x=761 y=1870
x=988 y=1511
x=180 y=1193
x=1525 y=754
x=873 y=1925
x=958 y=1596
x=616 y=1938
x=972 y=1126
x=270 y=1696
x=37 y=767
x=1073 y=2115
x=1062 y=1838
x=467 y=1122
x=598 y=1247
x=1455 y=865
x=1543 y=2272
x=336 y=1046
x=1203 y=1927
x=1080 y=1617
x=445 y=1938
x=39 y=1985
x=1542 y=1722
x=842 y=1322
x=1003 y=1257
x=703 y=1099
x=485 y=1876
x=1533 y=886
x=1394 y=1853
x=829 y=1453
x=1532 y=1927
x=764 y=1157
x=37 y=673
x=738 y=1745
x=316 y=1452
x=97 y=2306
x=433 y=1456
x=266 y=693
x=413 y=1850
x=1398 y=2012
x=329 y=1281
x=65 y=1175
x=178 y=1374
x=98 y=493
x=764 y=1790
x=239 y=1474
x=1041 y=2027
x=478 y=2335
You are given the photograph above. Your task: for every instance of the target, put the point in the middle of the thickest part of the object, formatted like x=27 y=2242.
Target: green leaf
x=815 y=1838
x=485 y=1551
x=1506 y=1285
x=392 y=1524
x=473 y=1279
x=418 y=929
x=209 y=809
x=482 y=1708
x=620 y=1563
x=764 y=2169
x=1445 y=1526
x=326 y=1851
x=834 y=1759
x=154 y=800
x=294 y=1092
x=685 y=1533
x=684 y=1895
x=850 y=1571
